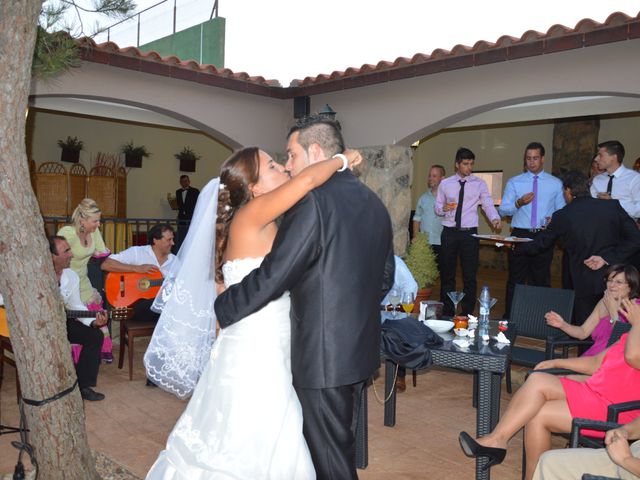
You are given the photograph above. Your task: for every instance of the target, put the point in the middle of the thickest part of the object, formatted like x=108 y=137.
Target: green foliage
x=56 y=49
x=187 y=153
x=54 y=53
x=422 y=261
x=71 y=143
x=140 y=151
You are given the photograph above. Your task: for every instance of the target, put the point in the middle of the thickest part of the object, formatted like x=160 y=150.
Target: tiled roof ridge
x=617 y=27
x=554 y=34
x=104 y=53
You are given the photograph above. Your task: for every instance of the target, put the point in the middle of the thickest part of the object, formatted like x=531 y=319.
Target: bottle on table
x=485 y=307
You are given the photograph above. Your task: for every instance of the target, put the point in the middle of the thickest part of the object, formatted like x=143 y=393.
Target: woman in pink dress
x=546 y=404
x=623 y=282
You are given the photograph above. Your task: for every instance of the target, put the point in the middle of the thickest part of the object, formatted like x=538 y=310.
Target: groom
x=334 y=253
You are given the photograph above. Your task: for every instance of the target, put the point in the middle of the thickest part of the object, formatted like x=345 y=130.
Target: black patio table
x=490 y=361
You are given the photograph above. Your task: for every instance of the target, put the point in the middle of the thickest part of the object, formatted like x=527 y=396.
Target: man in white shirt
x=617 y=181
x=82 y=331
x=156 y=256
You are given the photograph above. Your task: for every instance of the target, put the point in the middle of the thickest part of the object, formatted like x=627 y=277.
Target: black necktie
x=610 y=184
x=459 y=208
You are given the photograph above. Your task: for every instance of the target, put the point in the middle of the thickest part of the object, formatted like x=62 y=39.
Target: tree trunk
x=34 y=308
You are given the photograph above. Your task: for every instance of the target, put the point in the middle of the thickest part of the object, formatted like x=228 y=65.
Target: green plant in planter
x=422 y=261
x=188 y=158
x=133 y=155
x=70 y=149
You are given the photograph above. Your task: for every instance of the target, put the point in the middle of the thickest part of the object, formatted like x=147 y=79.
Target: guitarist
x=83 y=331
x=151 y=258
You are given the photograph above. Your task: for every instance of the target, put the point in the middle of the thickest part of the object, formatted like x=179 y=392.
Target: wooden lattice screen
x=77 y=185
x=101 y=187
x=121 y=189
x=51 y=189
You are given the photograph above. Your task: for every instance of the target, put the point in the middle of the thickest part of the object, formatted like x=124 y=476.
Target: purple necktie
x=534 y=203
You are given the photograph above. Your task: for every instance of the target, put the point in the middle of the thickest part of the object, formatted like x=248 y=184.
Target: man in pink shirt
x=457 y=202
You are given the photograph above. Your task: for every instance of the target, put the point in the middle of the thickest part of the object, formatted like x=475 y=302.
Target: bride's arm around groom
x=334 y=253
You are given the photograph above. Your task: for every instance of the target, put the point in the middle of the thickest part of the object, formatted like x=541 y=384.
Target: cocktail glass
x=455 y=297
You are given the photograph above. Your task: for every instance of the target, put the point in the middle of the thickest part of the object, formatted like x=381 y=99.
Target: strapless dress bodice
x=238 y=268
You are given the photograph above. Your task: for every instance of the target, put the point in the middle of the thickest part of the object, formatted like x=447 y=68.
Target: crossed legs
x=540 y=406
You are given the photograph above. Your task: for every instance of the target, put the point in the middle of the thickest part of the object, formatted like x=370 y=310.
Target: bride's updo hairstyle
x=238 y=172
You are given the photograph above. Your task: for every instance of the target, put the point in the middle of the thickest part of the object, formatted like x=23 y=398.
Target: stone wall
x=574 y=144
x=387 y=170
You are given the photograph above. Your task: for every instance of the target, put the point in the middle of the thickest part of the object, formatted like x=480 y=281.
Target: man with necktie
x=457 y=201
x=530 y=199
x=617 y=182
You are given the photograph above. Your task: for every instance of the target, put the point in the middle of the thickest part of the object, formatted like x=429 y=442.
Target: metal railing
x=118 y=233
x=138 y=17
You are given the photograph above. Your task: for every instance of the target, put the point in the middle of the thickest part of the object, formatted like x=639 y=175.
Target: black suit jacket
x=334 y=253
x=589 y=226
x=186 y=208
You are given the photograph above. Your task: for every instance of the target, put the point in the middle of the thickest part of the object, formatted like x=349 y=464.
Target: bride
x=244 y=420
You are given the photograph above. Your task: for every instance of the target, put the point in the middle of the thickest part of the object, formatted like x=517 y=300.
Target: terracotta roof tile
x=152 y=62
x=617 y=27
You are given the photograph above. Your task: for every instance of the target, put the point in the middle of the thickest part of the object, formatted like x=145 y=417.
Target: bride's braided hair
x=238 y=172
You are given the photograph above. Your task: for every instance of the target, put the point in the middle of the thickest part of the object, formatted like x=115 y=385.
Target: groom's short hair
x=318 y=129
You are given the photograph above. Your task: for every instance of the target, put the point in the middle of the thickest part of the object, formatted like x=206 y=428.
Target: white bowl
x=439 y=326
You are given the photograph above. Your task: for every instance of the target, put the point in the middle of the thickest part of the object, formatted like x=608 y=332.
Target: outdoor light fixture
x=327 y=112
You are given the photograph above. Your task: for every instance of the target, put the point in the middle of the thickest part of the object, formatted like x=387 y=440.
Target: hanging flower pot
x=188 y=158
x=70 y=149
x=133 y=155
x=132 y=161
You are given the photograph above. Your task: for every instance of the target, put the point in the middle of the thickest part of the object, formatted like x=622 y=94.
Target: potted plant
x=133 y=155
x=188 y=158
x=70 y=149
x=421 y=261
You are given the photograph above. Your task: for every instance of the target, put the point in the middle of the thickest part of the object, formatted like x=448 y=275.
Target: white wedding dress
x=244 y=420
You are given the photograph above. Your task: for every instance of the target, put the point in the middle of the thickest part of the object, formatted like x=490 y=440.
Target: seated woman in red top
x=546 y=403
x=623 y=282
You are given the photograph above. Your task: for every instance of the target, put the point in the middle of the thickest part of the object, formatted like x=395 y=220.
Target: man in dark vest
x=186 y=197
x=595 y=232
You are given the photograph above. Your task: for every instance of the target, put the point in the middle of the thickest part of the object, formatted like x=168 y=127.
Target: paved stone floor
x=132 y=424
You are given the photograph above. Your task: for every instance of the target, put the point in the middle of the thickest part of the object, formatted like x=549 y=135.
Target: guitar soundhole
x=144 y=284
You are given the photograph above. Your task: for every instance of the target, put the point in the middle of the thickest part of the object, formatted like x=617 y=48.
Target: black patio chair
x=576 y=438
x=527 y=314
x=619 y=328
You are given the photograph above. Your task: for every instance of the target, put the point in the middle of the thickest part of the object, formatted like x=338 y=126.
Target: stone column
x=387 y=170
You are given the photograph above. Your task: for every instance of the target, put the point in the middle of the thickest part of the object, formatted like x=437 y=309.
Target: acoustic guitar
x=124 y=288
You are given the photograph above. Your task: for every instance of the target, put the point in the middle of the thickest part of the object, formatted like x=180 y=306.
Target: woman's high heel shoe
x=471 y=448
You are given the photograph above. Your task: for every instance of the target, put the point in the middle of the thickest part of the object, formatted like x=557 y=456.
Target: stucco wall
x=147 y=187
x=235 y=118
x=404 y=111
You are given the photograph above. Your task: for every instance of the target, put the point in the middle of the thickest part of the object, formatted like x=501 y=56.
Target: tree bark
x=27 y=281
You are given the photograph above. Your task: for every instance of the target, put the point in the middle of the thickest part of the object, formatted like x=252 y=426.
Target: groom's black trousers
x=330 y=416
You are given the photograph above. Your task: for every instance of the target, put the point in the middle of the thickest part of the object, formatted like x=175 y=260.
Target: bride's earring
x=81 y=229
